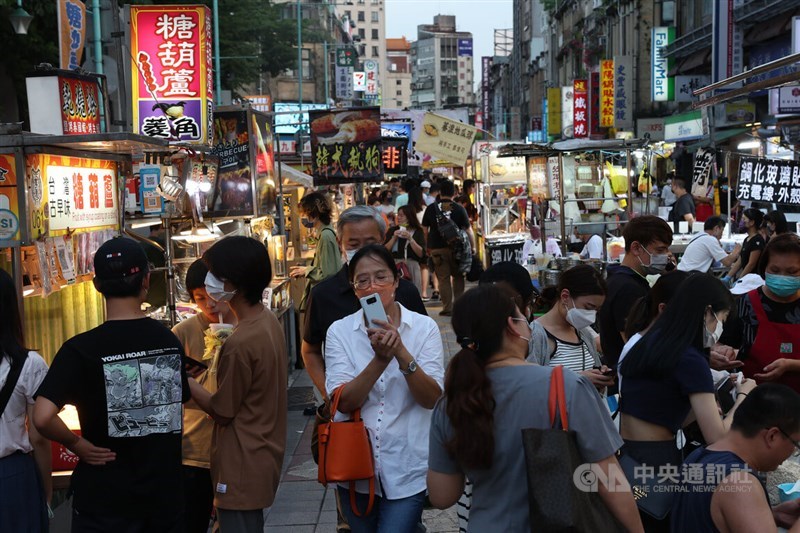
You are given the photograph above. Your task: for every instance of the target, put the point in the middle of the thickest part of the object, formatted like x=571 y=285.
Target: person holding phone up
x=390 y=361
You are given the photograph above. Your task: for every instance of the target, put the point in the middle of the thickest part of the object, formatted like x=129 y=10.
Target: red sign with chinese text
x=607 y=93
x=79 y=108
x=580 y=108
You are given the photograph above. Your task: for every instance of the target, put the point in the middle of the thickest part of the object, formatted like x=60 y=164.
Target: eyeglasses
x=381 y=279
x=796 y=444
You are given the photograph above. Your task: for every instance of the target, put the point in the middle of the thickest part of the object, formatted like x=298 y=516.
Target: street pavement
x=302 y=505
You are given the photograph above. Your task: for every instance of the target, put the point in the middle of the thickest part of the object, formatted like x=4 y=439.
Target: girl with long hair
x=406 y=241
x=753 y=244
x=491 y=394
x=25 y=460
x=668 y=377
x=563 y=336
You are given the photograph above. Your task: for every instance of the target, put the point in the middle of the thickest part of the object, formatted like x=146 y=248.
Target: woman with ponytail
x=491 y=394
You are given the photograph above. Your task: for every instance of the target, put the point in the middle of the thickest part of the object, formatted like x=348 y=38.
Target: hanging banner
x=344 y=82
x=554 y=111
x=554 y=172
x=233 y=191
x=580 y=109
x=701 y=174
x=607 y=93
x=567 y=108
x=371 y=72
x=768 y=180
x=346 y=146
x=663 y=89
x=537 y=178
x=395 y=156
x=70 y=193
x=594 y=104
x=444 y=138
x=71 y=33
x=171 y=72
x=623 y=92
x=9 y=204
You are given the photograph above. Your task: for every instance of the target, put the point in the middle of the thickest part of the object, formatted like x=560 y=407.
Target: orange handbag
x=345 y=454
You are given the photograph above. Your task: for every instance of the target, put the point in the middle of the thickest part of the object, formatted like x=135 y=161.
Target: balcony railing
x=691 y=42
x=754 y=11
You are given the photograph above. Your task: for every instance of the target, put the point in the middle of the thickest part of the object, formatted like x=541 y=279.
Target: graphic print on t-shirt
x=143 y=392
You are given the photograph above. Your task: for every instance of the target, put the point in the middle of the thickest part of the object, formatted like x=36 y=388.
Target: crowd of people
x=179 y=426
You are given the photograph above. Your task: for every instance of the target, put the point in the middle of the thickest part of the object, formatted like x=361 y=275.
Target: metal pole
x=98 y=57
x=327 y=81
x=300 y=58
x=217 y=67
x=561 y=202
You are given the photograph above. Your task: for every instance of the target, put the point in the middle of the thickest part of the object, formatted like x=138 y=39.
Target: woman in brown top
x=249 y=407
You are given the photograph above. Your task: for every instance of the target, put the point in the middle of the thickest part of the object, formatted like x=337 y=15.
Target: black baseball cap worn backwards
x=119 y=258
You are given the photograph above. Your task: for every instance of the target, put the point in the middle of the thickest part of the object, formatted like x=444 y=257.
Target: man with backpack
x=442 y=221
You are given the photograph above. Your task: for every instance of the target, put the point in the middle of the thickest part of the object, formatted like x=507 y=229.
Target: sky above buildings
x=481 y=17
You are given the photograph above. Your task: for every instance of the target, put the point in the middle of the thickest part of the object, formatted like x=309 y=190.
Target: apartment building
x=397 y=91
x=369 y=33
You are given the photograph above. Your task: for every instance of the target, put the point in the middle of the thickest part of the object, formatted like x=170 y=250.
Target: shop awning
x=295 y=176
x=718 y=137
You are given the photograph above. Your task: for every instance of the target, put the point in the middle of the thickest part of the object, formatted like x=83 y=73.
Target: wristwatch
x=412 y=367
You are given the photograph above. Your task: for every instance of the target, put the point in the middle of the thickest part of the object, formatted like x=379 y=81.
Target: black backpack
x=447 y=228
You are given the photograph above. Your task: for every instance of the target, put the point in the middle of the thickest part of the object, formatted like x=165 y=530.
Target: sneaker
x=426 y=298
x=435 y=295
x=445 y=313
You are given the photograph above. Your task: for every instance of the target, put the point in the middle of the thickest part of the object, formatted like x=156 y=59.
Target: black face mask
x=307 y=223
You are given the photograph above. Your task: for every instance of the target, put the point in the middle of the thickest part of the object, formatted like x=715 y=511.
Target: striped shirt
x=571 y=355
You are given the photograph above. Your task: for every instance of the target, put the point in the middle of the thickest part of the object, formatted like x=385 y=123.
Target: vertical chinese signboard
x=9 y=206
x=346 y=146
x=171 y=72
x=395 y=156
x=70 y=193
x=623 y=91
x=537 y=178
x=580 y=109
x=554 y=111
x=79 y=109
x=663 y=89
x=607 y=93
x=594 y=104
x=765 y=180
x=71 y=33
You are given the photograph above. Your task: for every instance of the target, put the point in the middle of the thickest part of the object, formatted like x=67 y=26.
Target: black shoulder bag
x=11 y=382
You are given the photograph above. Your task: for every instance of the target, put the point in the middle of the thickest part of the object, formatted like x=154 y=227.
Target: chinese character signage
x=346 y=146
x=726 y=41
x=623 y=92
x=171 y=72
x=554 y=111
x=71 y=33
x=9 y=205
x=537 y=178
x=701 y=175
x=788 y=99
x=233 y=194
x=359 y=81
x=663 y=85
x=444 y=138
x=79 y=107
x=344 y=82
x=580 y=109
x=395 y=156
x=465 y=47
x=594 y=104
x=346 y=56
x=686 y=85
x=70 y=193
x=607 y=93
x=567 y=110
x=766 y=180
x=371 y=73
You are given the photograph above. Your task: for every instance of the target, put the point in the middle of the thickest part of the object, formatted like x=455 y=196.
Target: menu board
x=233 y=193
x=346 y=146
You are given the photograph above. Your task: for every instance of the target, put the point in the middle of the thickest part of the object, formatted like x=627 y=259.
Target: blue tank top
x=691 y=510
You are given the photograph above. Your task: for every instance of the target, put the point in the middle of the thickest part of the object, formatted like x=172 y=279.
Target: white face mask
x=581 y=318
x=709 y=338
x=658 y=263
x=215 y=288
x=348 y=255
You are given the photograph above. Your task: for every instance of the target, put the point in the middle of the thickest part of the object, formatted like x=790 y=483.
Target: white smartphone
x=373 y=309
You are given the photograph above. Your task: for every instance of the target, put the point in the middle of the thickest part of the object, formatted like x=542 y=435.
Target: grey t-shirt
x=500 y=494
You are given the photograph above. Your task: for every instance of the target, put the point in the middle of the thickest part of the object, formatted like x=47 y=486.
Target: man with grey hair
x=334 y=299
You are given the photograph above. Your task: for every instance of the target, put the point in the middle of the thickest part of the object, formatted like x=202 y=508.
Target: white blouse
x=398 y=426
x=13 y=433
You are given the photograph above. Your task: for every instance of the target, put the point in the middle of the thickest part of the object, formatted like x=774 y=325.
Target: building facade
x=397 y=90
x=442 y=67
x=369 y=32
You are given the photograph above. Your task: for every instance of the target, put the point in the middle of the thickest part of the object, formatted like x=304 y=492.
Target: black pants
x=101 y=523
x=198 y=498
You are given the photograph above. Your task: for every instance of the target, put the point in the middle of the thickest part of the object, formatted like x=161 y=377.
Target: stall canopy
x=572 y=145
x=718 y=137
x=295 y=176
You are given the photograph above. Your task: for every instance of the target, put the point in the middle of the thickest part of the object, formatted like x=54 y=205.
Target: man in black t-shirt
x=126 y=379
x=684 y=209
x=444 y=262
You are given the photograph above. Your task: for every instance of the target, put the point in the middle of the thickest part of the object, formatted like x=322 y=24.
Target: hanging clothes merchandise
x=773 y=341
x=619 y=183
x=610 y=205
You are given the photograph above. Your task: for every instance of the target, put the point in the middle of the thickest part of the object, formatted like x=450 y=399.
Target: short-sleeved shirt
x=334 y=299
x=197 y=426
x=665 y=401
x=741 y=327
x=449 y=209
x=397 y=425
x=683 y=206
x=593 y=248
x=756 y=243
x=700 y=254
x=127 y=382
x=13 y=433
x=402 y=250
x=247 y=453
x=625 y=287
x=500 y=493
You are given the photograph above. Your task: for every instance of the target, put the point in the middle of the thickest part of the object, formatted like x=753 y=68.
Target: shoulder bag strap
x=11 y=381
x=557 y=401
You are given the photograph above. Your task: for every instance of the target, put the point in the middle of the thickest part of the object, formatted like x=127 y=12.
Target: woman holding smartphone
x=393 y=371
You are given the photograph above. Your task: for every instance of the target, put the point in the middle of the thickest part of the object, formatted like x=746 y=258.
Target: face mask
x=348 y=255
x=215 y=288
x=581 y=318
x=307 y=222
x=658 y=263
x=782 y=286
x=710 y=339
x=526 y=339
